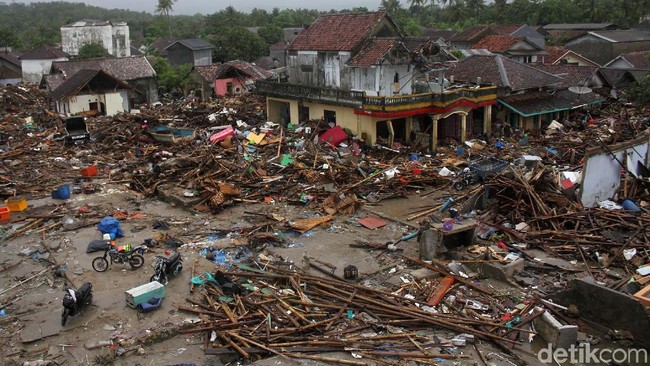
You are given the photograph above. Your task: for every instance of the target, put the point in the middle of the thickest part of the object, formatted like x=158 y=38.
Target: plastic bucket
x=63 y=192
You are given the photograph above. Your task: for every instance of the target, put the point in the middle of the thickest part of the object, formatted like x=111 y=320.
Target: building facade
x=359 y=71
x=113 y=36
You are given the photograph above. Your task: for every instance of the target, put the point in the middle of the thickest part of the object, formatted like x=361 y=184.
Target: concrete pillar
x=434 y=132
x=463 y=127
x=487 y=120
x=294 y=114
x=408 y=128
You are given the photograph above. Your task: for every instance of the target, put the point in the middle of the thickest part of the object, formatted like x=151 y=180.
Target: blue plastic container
x=62 y=193
x=414 y=157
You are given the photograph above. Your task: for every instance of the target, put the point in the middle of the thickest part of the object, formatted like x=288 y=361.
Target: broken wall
x=601 y=177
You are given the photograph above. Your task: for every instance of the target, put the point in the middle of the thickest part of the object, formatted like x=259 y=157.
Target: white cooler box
x=144 y=293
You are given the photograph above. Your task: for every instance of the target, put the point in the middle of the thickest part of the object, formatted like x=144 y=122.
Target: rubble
x=523 y=224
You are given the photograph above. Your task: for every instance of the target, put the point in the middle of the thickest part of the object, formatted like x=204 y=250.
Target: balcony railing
x=294 y=91
x=387 y=104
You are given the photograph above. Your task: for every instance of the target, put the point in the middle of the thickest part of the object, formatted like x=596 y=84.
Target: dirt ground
x=32 y=328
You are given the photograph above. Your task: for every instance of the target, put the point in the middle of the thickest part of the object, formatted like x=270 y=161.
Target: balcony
x=310 y=93
x=398 y=103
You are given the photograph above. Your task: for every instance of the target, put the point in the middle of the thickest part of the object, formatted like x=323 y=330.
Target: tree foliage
x=165 y=8
x=270 y=33
x=9 y=38
x=237 y=43
x=172 y=78
x=92 y=50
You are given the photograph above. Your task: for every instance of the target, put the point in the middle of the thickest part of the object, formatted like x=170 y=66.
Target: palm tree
x=164 y=7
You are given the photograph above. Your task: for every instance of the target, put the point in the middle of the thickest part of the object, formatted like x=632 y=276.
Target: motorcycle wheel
x=177 y=269
x=136 y=261
x=459 y=186
x=154 y=278
x=100 y=264
x=64 y=317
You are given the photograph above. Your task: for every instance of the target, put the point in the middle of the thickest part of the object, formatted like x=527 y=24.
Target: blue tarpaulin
x=110 y=225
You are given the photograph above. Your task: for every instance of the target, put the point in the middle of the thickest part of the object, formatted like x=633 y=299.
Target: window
x=330 y=117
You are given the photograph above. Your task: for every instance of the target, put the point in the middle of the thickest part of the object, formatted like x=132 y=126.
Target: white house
x=37 y=62
x=113 y=36
x=92 y=92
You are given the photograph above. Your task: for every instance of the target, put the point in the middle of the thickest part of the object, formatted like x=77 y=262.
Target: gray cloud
x=212 y=6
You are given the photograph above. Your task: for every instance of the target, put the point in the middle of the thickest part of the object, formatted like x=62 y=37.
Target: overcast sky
x=211 y=6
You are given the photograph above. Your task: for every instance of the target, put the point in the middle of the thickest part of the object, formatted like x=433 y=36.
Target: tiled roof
x=53 y=81
x=503 y=72
x=124 y=68
x=554 y=53
x=255 y=72
x=372 y=52
x=505 y=29
x=194 y=44
x=445 y=34
x=497 y=43
x=207 y=71
x=639 y=60
x=471 y=34
x=337 y=32
x=82 y=78
x=161 y=43
x=44 y=52
x=217 y=71
x=573 y=75
x=11 y=57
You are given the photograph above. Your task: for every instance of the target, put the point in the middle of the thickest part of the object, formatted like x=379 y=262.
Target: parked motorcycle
x=167 y=266
x=75 y=301
x=121 y=254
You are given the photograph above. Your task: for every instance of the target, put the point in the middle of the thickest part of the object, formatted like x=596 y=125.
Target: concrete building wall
x=395 y=80
x=113 y=103
x=33 y=70
x=114 y=38
x=202 y=57
x=121 y=40
x=237 y=86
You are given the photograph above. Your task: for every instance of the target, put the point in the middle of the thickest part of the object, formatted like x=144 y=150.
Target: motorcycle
x=121 y=254
x=75 y=301
x=167 y=266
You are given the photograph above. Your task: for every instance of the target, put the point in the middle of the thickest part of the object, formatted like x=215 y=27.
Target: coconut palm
x=164 y=8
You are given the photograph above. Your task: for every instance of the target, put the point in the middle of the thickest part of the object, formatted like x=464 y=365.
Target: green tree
x=9 y=38
x=92 y=50
x=270 y=33
x=164 y=8
x=172 y=77
x=640 y=93
x=237 y=43
x=412 y=28
x=285 y=19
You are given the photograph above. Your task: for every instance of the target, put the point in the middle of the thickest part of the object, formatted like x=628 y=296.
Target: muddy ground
x=32 y=331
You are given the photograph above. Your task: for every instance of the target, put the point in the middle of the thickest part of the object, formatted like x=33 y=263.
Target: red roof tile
x=373 y=51
x=337 y=32
x=43 y=52
x=554 y=53
x=471 y=34
x=497 y=43
x=505 y=29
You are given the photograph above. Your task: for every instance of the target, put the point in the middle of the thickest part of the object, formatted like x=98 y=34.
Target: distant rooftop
x=194 y=44
x=578 y=26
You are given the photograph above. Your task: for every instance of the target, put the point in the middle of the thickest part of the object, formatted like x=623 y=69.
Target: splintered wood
x=285 y=312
